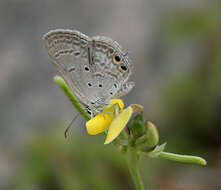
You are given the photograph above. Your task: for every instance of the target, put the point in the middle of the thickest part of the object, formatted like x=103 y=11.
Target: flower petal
x=109 y=109
x=98 y=124
x=119 y=102
x=118 y=124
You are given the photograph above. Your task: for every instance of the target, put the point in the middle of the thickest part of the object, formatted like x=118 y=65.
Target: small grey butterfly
x=96 y=69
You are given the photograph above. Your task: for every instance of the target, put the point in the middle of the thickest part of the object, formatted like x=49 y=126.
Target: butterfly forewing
x=68 y=51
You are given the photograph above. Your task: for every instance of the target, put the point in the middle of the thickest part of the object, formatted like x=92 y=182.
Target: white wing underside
x=68 y=50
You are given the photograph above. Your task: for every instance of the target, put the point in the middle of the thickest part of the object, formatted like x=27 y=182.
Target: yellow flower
x=113 y=117
x=118 y=124
x=98 y=124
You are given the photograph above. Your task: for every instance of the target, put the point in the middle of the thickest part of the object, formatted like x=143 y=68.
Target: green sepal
x=157 y=150
x=137 y=126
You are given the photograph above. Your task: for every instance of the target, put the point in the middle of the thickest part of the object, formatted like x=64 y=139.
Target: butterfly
x=96 y=69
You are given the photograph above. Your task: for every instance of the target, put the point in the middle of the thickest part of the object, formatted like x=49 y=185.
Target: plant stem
x=132 y=161
x=76 y=103
x=183 y=158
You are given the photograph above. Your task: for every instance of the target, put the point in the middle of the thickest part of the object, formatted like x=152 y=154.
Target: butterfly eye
x=116 y=59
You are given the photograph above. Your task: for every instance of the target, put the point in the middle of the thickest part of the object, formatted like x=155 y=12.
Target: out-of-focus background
x=176 y=49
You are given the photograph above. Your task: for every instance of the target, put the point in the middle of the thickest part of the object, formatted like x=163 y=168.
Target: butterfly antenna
x=69 y=126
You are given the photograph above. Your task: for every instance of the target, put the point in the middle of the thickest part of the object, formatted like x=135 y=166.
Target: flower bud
x=137 y=126
x=152 y=134
x=148 y=141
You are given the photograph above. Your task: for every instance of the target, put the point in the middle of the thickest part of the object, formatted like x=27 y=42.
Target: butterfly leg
x=69 y=126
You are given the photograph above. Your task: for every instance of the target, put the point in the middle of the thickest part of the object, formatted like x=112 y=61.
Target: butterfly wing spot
x=115 y=85
x=86 y=68
x=89 y=84
x=100 y=85
x=123 y=67
x=117 y=58
x=71 y=69
x=77 y=53
x=63 y=52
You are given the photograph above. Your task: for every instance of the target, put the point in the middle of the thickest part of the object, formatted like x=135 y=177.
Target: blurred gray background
x=175 y=47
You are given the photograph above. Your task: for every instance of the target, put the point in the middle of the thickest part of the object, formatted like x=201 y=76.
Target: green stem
x=132 y=161
x=183 y=158
x=80 y=108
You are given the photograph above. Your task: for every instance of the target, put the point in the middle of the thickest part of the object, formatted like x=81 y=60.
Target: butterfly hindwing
x=109 y=74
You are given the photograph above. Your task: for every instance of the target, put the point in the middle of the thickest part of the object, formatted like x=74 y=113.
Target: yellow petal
x=118 y=124
x=98 y=124
x=109 y=109
x=119 y=102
